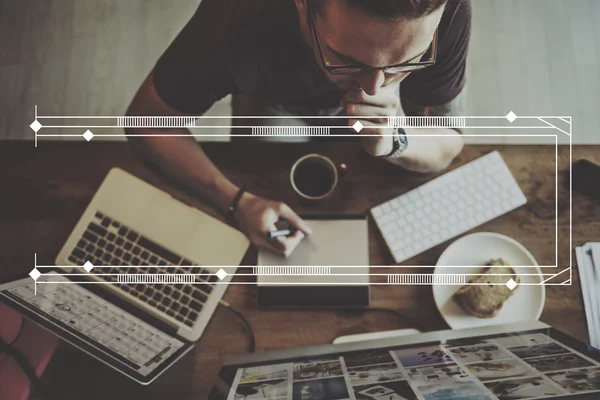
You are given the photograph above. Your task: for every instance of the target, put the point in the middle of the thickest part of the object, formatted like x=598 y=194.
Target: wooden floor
x=87 y=57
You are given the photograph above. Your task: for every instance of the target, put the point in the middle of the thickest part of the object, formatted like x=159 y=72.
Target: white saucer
x=527 y=302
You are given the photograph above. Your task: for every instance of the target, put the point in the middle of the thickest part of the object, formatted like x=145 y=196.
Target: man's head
x=375 y=33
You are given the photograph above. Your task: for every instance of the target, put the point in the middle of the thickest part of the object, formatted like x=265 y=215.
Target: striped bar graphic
x=291 y=270
x=290 y=130
x=156 y=278
x=424 y=122
x=427 y=279
x=155 y=122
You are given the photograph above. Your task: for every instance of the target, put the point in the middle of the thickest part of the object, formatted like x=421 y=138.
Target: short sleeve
x=195 y=70
x=442 y=82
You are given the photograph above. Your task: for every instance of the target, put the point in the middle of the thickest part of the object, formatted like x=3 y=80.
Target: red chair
x=36 y=344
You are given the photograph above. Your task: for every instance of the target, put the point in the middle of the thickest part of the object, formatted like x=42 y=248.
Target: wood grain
x=47 y=189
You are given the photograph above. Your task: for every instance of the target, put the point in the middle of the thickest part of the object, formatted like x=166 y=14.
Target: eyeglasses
x=427 y=59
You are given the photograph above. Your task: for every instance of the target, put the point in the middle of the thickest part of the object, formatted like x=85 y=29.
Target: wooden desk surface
x=46 y=189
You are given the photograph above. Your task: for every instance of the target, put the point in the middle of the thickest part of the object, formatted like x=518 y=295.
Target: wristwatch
x=400 y=143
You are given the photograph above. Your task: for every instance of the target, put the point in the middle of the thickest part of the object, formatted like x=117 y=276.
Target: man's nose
x=370 y=81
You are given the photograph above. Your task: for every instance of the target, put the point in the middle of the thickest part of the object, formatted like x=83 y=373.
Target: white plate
x=527 y=302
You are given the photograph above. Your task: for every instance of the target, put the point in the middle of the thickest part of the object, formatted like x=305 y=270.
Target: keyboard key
x=135 y=261
x=99 y=215
x=110 y=247
x=78 y=253
x=90 y=237
x=127 y=257
x=157 y=296
x=145 y=255
x=116 y=224
x=143 y=298
x=153 y=270
x=167 y=290
x=185 y=300
x=111 y=237
x=162 y=308
x=187 y=289
x=122 y=231
x=179 y=318
x=213 y=278
x=73 y=259
x=194 y=305
x=166 y=301
x=195 y=270
x=133 y=236
x=176 y=295
x=170 y=313
x=137 y=250
x=185 y=261
x=102 y=243
x=189 y=322
x=205 y=288
x=153 y=260
x=159 y=250
x=149 y=291
x=119 y=241
x=96 y=229
x=175 y=306
x=105 y=222
x=193 y=316
x=118 y=252
x=90 y=248
x=200 y=296
x=152 y=303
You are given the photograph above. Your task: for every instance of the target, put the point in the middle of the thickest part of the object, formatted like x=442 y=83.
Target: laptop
x=137 y=280
x=526 y=360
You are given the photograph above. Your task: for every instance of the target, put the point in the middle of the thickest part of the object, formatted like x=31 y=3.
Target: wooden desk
x=46 y=189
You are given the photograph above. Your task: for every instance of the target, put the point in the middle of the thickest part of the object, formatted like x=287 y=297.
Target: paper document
x=588 y=261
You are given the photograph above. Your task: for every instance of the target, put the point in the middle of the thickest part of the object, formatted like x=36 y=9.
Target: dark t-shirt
x=254 y=47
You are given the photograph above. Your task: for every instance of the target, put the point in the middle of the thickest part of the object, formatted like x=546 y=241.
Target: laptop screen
x=542 y=364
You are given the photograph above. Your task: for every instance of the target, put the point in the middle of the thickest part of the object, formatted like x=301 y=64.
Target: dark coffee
x=314 y=177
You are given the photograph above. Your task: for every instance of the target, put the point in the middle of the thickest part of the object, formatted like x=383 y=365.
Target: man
x=309 y=57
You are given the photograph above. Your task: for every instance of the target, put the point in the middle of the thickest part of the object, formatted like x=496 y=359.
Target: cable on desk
x=25 y=366
x=244 y=320
x=397 y=313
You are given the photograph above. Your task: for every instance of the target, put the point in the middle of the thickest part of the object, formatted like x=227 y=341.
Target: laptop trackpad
x=168 y=222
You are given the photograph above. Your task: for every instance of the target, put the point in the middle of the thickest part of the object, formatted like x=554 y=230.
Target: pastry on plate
x=486 y=295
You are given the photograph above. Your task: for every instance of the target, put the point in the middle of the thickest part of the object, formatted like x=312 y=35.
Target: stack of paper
x=588 y=260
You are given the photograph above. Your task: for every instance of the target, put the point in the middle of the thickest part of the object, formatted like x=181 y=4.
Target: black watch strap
x=229 y=216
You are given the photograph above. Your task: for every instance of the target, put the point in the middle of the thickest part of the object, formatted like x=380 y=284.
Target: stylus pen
x=283 y=232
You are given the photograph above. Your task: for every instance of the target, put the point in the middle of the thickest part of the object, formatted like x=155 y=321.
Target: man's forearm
x=184 y=160
x=429 y=153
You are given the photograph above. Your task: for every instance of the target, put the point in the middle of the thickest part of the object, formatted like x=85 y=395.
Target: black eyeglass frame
x=342 y=69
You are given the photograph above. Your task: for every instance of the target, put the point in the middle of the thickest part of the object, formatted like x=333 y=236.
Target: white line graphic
x=165 y=122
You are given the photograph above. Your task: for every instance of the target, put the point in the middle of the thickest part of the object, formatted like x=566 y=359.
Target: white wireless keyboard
x=448 y=206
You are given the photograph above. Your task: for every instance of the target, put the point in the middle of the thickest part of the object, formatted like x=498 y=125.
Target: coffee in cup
x=314 y=177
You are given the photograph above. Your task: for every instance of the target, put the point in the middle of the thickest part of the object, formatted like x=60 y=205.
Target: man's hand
x=377 y=141
x=257 y=216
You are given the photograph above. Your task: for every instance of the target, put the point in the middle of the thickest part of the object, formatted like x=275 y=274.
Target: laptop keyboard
x=107 y=242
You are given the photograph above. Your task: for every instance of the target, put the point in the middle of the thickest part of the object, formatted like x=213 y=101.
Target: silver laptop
x=149 y=273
